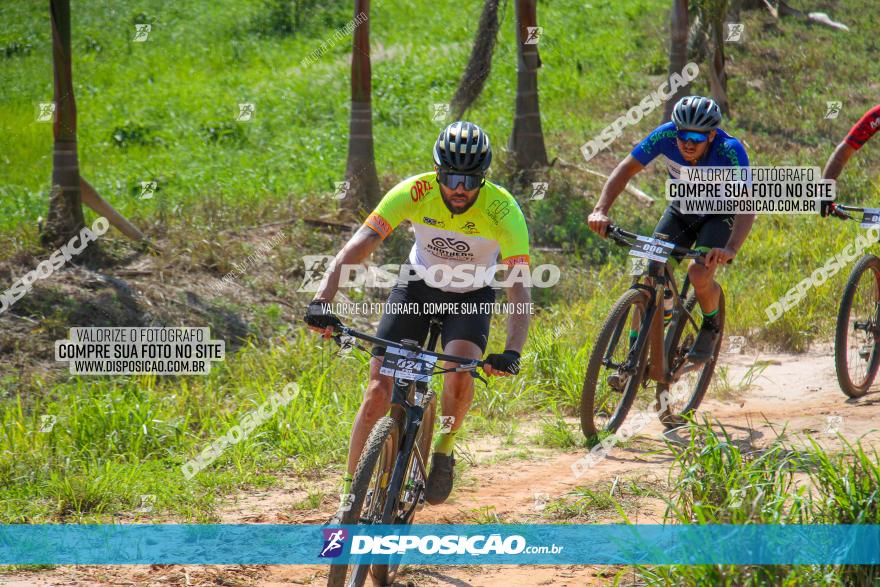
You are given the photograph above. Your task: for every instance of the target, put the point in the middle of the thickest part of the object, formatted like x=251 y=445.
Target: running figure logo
x=539 y=190
x=246 y=111
x=533 y=34
x=142 y=32
x=734 y=32
x=832 y=109
x=333 y=542
x=47 y=112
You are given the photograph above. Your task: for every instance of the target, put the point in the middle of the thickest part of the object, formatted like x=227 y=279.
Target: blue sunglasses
x=451 y=180
x=691 y=136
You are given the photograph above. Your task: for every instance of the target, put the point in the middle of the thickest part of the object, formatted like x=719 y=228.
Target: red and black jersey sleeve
x=864 y=128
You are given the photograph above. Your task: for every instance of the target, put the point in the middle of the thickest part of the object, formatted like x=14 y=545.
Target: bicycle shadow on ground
x=743 y=437
x=642 y=449
x=872 y=398
x=413 y=575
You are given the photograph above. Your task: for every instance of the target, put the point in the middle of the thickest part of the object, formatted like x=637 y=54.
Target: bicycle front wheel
x=386 y=574
x=369 y=488
x=613 y=374
x=856 y=356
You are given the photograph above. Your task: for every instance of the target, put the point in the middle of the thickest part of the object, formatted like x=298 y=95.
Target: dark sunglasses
x=692 y=136
x=451 y=180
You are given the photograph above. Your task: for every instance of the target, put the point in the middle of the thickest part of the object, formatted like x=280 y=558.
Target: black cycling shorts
x=695 y=232
x=406 y=315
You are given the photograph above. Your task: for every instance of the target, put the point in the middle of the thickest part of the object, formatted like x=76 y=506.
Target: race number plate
x=402 y=364
x=871 y=217
x=651 y=248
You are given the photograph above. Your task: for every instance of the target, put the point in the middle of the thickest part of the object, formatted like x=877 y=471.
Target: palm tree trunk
x=480 y=63
x=527 y=140
x=65 y=217
x=678 y=51
x=717 y=67
x=360 y=173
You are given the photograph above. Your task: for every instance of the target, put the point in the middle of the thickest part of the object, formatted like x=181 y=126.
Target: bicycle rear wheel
x=609 y=389
x=685 y=394
x=369 y=487
x=856 y=356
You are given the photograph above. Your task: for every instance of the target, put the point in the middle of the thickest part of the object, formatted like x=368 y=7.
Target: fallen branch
x=329 y=223
x=640 y=196
x=93 y=200
x=817 y=17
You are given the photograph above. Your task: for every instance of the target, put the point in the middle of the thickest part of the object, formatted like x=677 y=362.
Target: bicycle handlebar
x=620 y=236
x=840 y=211
x=466 y=364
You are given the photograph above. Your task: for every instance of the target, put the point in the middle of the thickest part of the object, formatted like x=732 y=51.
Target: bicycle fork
x=411 y=421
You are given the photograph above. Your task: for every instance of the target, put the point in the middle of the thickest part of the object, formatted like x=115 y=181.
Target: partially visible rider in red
x=864 y=129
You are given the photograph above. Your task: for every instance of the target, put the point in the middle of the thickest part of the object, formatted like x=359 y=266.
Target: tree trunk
x=527 y=140
x=363 y=182
x=717 y=67
x=65 y=217
x=678 y=51
x=480 y=63
x=698 y=39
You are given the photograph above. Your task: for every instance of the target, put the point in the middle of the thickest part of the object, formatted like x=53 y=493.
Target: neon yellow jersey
x=493 y=225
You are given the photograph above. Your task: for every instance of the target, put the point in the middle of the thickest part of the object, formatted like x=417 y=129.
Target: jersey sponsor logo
x=379 y=224
x=516 y=260
x=469 y=228
x=449 y=248
x=432 y=221
x=875 y=123
x=420 y=189
x=673 y=168
x=498 y=210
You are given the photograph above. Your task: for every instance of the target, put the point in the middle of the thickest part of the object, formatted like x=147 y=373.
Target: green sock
x=709 y=320
x=346 y=483
x=633 y=335
x=444 y=443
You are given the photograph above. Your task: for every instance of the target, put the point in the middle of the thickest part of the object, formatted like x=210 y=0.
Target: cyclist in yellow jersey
x=463 y=224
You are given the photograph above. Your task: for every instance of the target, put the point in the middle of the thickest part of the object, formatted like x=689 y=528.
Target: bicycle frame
x=659 y=277
x=409 y=417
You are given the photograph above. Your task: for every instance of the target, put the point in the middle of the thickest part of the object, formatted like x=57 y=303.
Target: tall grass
x=716 y=480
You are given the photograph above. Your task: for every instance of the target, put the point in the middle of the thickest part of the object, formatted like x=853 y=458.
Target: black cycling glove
x=318 y=315
x=507 y=361
x=825 y=208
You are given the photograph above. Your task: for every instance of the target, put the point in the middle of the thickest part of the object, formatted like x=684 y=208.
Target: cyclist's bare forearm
x=742 y=225
x=617 y=181
x=837 y=161
x=356 y=250
x=520 y=297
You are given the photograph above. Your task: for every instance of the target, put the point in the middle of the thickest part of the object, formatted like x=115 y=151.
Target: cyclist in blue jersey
x=693 y=137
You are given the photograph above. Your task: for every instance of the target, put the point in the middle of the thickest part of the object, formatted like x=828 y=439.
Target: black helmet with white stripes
x=696 y=113
x=463 y=147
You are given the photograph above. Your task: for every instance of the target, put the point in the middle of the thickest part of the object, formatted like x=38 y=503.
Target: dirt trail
x=794 y=393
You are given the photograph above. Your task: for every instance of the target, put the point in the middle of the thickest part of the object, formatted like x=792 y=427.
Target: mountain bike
x=857 y=335
x=389 y=481
x=621 y=365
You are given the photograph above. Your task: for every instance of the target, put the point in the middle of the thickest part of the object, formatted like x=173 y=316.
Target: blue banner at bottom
x=216 y=544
